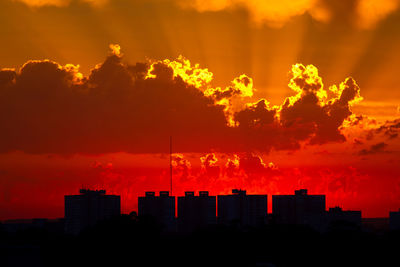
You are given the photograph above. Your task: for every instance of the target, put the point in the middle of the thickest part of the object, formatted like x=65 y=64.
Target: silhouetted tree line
x=129 y=240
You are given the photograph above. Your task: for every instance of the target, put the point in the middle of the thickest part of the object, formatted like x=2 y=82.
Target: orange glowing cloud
x=370 y=12
x=60 y=3
x=220 y=170
x=181 y=167
x=366 y=13
x=37 y=3
x=272 y=12
x=115 y=49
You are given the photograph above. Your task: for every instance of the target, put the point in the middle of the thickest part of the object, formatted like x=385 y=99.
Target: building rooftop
x=94 y=192
x=238 y=192
x=301 y=192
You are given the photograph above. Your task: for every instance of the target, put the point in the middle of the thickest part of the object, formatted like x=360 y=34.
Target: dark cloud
x=49 y=108
x=7 y=77
x=256 y=116
x=253 y=164
x=391 y=129
x=374 y=149
x=357 y=142
x=386 y=131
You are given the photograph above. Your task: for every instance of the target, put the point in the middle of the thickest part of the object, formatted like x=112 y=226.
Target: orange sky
x=256 y=96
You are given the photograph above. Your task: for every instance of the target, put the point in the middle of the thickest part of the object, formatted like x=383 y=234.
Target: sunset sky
x=267 y=96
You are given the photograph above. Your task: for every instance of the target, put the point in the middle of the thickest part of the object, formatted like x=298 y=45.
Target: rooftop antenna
x=170 y=163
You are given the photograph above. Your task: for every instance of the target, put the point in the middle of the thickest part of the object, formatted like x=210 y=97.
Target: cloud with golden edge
x=193 y=75
x=209 y=164
x=115 y=49
x=233 y=96
x=53 y=108
x=181 y=166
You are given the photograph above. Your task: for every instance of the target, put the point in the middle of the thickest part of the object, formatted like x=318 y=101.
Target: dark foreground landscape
x=129 y=240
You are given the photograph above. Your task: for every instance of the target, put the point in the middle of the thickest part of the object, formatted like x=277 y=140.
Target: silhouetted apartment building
x=337 y=215
x=161 y=207
x=300 y=208
x=88 y=208
x=394 y=220
x=246 y=210
x=196 y=211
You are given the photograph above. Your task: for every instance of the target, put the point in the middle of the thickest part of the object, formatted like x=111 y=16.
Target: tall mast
x=170 y=163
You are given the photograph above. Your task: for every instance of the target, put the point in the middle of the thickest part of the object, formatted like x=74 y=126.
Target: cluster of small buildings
x=242 y=210
x=189 y=212
x=196 y=211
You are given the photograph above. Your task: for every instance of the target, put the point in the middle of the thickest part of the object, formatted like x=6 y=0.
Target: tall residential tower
x=88 y=208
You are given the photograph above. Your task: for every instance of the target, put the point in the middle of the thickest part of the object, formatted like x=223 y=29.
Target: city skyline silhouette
x=212 y=132
x=207 y=230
